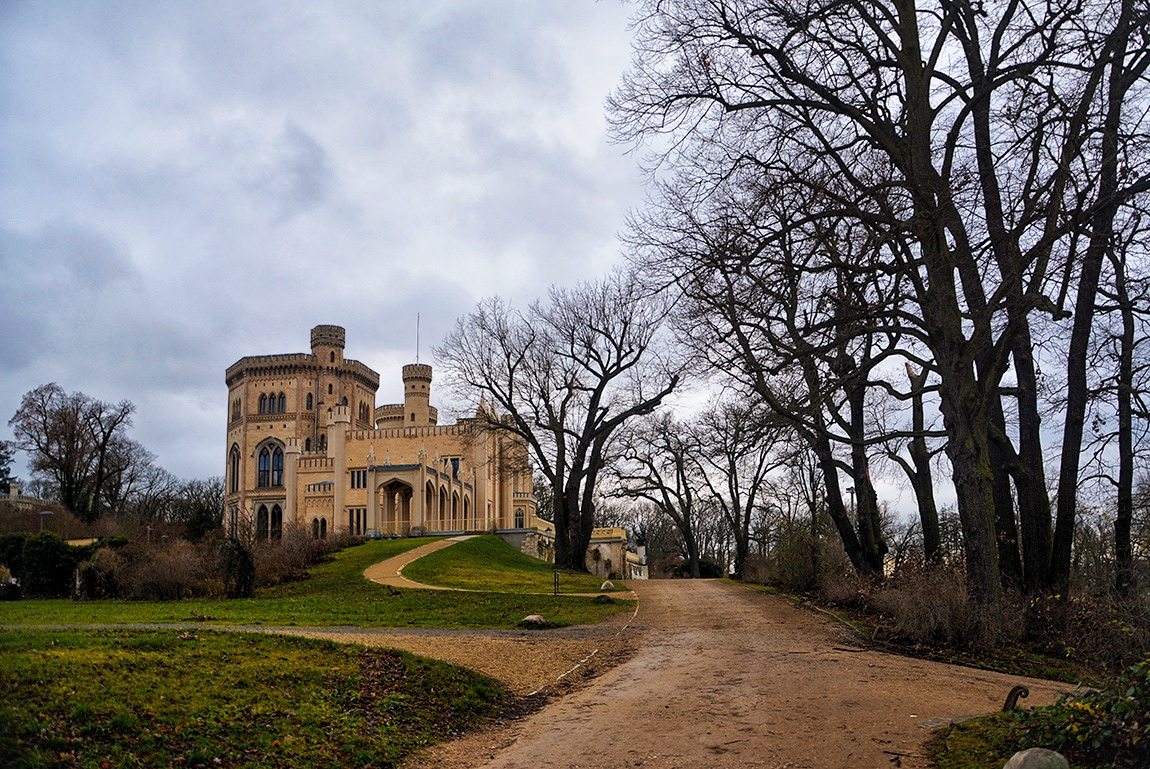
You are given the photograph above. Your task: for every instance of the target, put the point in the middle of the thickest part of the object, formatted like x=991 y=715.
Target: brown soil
x=713 y=674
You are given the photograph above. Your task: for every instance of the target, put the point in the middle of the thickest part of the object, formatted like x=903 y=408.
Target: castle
x=307 y=446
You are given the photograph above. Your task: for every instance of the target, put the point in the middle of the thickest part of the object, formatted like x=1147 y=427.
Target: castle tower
x=416 y=395
x=327 y=344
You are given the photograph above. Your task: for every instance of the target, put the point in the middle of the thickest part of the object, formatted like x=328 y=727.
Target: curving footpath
x=390 y=572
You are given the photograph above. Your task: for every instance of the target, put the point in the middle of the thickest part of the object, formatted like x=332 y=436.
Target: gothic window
x=264 y=477
x=333 y=357
x=329 y=390
x=262 y=523
x=343 y=402
x=277 y=467
x=309 y=402
x=315 y=528
x=323 y=528
x=282 y=404
x=519 y=518
x=234 y=469
x=307 y=442
x=277 y=523
x=263 y=403
x=323 y=443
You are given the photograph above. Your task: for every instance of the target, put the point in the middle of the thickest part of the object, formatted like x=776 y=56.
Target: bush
x=287 y=559
x=165 y=575
x=237 y=568
x=12 y=551
x=1106 y=728
x=929 y=605
x=1105 y=629
x=709 y=568
x=48 y=565
x=99 y=577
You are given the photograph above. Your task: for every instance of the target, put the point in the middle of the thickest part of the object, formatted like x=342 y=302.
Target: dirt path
x=724 y=676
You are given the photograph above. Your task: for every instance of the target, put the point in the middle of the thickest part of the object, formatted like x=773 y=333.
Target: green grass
x=489 y=563
x=107 y=699
x=980 y=743
x=335 y=595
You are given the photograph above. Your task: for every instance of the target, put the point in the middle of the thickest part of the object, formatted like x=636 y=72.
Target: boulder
x=1037 y=758
x=607 y=587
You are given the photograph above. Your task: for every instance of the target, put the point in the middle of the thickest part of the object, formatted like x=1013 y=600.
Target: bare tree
x=564 y=375
x=972 y=145
x=136 y=485
x=72 y=441
x=742 y=442
x=659 y=464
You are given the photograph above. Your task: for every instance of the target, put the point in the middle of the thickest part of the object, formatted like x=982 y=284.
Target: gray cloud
x=182 y=185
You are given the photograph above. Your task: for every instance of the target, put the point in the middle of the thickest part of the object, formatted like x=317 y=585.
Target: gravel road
x=724 y=676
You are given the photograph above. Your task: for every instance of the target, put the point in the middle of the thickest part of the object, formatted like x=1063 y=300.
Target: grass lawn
x=336 y=594
x=130 y=698
x=489 y=563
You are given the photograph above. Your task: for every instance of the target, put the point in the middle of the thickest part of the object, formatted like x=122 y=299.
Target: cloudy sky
x=183 y=184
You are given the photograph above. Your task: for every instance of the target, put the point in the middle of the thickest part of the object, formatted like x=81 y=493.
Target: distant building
x=306 y=445
x=22 y=503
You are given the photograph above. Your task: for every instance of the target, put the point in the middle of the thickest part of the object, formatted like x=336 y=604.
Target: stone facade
x=306 y=445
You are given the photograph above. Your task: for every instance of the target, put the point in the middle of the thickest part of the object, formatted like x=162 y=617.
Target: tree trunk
x=1030 y=474
x=837 y=510
x=1124 y=513
x=922 y=480
x=1001 y=456
x=869 y=525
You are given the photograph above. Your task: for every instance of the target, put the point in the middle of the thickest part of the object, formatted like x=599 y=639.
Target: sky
x=183 y=184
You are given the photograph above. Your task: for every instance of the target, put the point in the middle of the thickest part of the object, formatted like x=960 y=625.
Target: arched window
x=323 y=528
x=263 y=403
x=264 y=477
x=329 y=390
x=315 y=528
x=282 y=404
x=309 y=402
x=234 y=469
x=323 y=443
x=307 y=442
x=262 y=523
x=333 y=357
x=277 y=467
x=277 y=523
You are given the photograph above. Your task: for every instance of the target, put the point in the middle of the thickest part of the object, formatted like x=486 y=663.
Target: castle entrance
x=394 y=499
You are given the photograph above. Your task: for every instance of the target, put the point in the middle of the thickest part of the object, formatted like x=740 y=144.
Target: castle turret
x=416 y=394
x=327 y=344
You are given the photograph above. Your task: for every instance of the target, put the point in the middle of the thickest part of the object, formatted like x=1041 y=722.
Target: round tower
x=327 y=344
x=416 y=394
